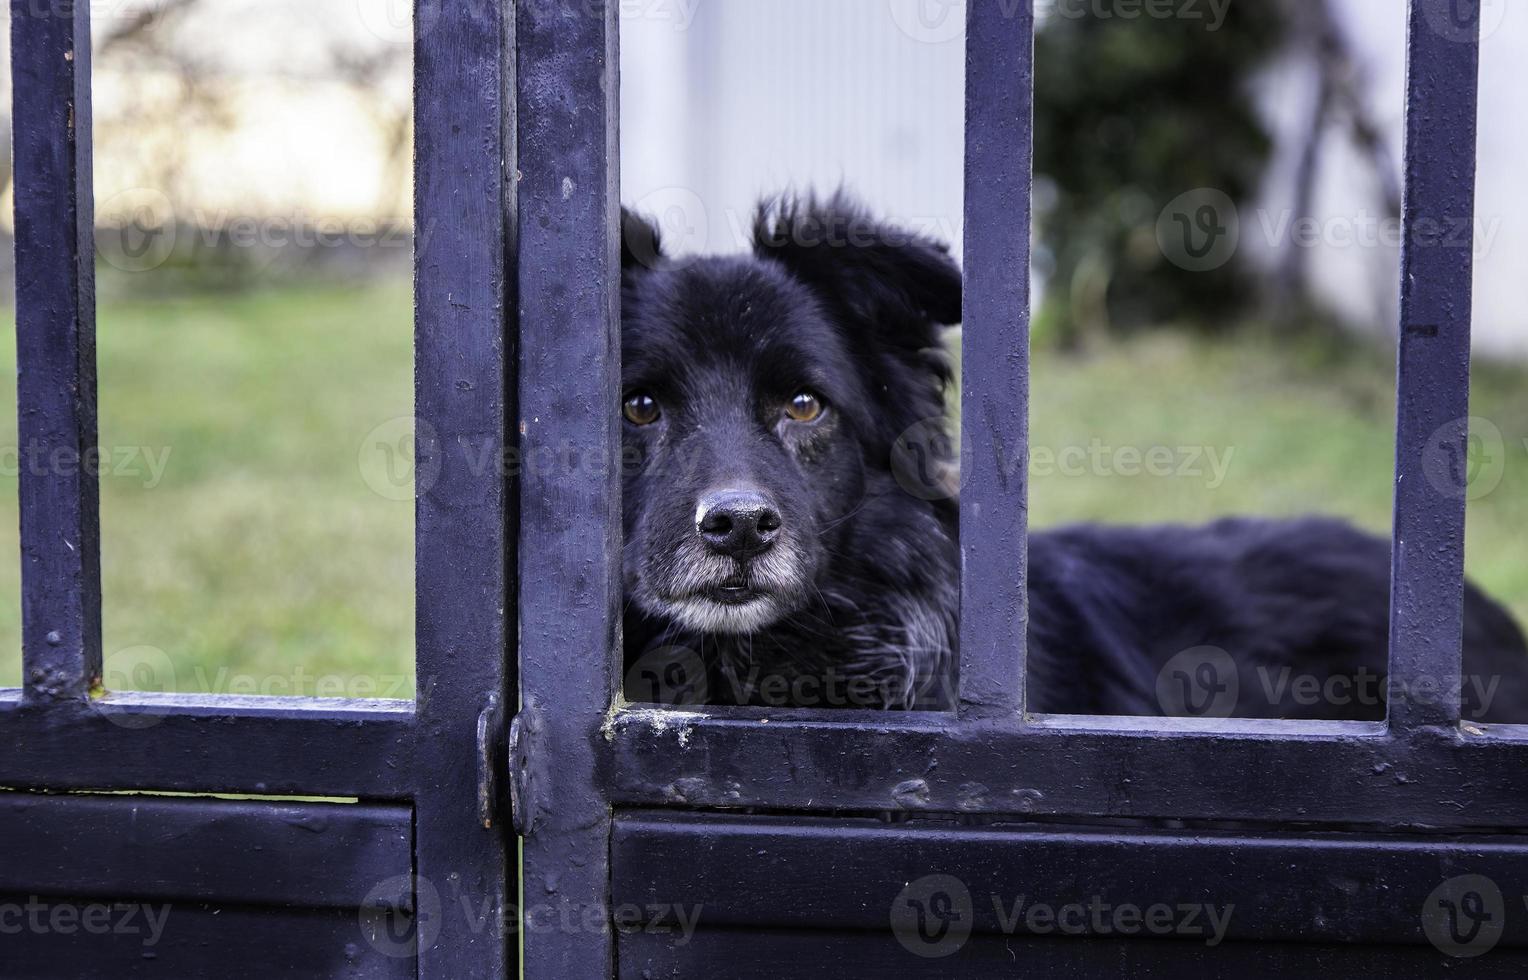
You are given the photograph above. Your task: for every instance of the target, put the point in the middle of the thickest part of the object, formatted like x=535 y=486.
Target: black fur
x=856 y=603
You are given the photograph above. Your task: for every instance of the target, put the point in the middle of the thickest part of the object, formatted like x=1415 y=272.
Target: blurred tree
x=1340 y=101
x=1130 y=114
x=178 y=80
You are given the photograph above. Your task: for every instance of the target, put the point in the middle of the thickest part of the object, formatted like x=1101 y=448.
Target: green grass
x=263 y=562
x=1305 y=429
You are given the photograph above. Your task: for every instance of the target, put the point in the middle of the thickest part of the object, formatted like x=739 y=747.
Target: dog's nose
x=737 y=522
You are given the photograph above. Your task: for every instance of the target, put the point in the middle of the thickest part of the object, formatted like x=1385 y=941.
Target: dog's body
x=773 y=548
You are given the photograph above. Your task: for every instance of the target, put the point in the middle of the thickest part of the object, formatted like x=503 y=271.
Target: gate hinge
x=490 y=723
x=524 y=739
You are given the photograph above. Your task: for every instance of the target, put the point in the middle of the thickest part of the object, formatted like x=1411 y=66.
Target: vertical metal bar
x=1433 y=374
x=55 y=350
x=995 y=360
x=463 y=125
x=570 y=587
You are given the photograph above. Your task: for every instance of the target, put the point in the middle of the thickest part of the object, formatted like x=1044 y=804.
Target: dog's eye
x=804 y=407
x=640 y=408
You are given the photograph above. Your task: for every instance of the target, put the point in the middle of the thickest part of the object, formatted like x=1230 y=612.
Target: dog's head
x=761 y=397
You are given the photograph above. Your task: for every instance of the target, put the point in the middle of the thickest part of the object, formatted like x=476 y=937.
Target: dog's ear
x=901 y=286
x=641 y=243
x=893 y=291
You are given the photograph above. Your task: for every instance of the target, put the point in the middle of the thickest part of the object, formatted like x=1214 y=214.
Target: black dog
x=773 y=556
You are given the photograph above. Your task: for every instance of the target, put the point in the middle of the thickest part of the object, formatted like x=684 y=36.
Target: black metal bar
x=202 y=743
x=995 y=363
x=766 y=872
x=463 y=552
x=830 y=954
x=570 y=586
x=192 y=850
x=1432 y=478
x=1076 y=767
x=55 y=349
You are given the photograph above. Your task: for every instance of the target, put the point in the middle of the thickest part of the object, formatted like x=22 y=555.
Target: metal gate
x=719 y=842
x=103 y=873
x=1072 y=846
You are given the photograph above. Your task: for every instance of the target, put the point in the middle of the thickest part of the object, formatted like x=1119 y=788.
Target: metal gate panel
x=214 y=940
x=741 y=954
x=1420 y=767
x=163 y=848
x=129 y=886
x=801 y=895
x=418 y=871
x=823 y=897
x=516 y=153
x=1317 y=886
x=209 y=743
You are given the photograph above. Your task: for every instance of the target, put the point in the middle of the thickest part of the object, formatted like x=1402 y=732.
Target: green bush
x=1131 y=113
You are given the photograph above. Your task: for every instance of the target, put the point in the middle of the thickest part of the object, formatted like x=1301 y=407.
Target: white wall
x=743 y=98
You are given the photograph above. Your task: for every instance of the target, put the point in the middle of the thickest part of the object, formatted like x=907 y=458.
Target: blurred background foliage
x=1126 y=119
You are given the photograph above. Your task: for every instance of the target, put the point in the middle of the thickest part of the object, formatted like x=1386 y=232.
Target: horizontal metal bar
x=209 y=744
x=1320 y=772
x=767 y=872
x=154 y=941
x=821 y=954
x=193 y=850
x=1176 y=725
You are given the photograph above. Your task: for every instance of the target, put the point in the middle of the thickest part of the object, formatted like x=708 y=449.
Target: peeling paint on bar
x=657 y=720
